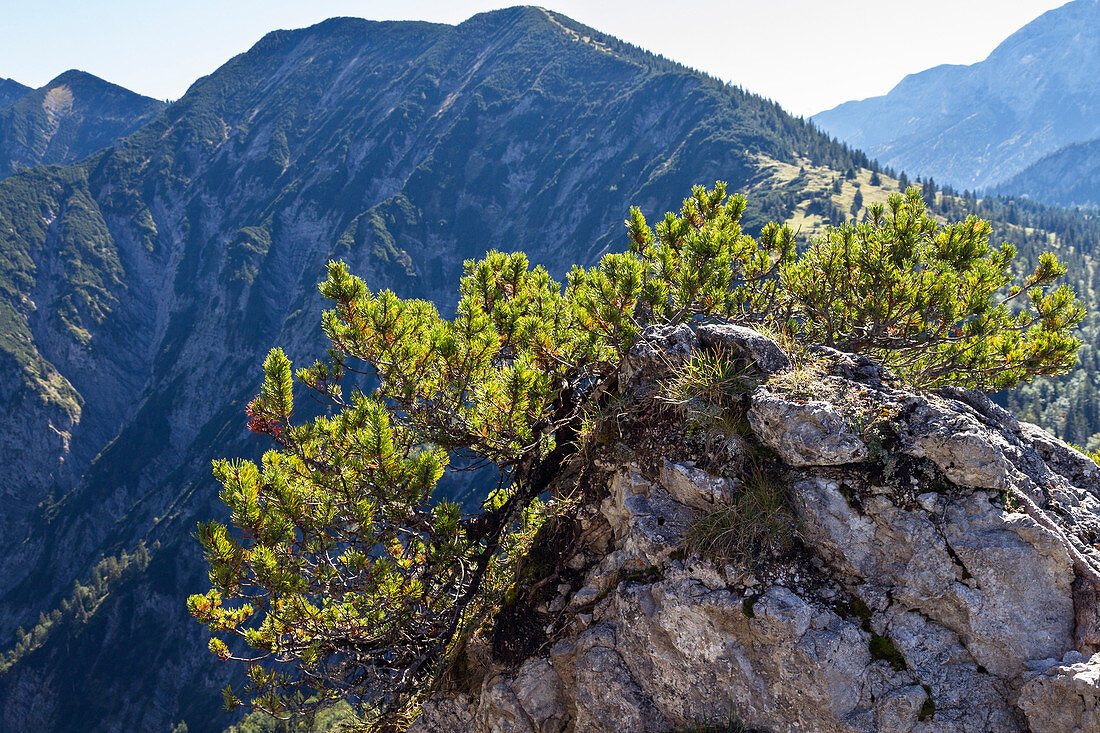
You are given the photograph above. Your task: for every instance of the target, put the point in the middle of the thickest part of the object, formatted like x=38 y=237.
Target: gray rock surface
x=659 y=347
x=1064 y=698
x=804 y=433
x=745 y=343
x=444 y=714
x=695 y=488
x=925 y=599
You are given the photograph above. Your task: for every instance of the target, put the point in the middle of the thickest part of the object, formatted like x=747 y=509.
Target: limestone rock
x=967 y=452
x=445 y=713
x=745 y=343
x=660 y=347
x=608 y=699
x=648 y=524
x=855 y=367
x=966 y=563
x=694 y=487
x=804 y=433
x=1064 y=698
x=531 y=702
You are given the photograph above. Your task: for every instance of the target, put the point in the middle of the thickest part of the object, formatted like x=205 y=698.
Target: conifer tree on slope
x=343 y=577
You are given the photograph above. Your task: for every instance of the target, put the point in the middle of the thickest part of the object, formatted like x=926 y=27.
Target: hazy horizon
x=808 y=56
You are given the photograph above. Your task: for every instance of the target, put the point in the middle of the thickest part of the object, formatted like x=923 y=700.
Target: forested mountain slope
x=975 y=126
x=69 y=118
x=1067 y=177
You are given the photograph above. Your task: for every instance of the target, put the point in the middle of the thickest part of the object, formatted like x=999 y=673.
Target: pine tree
x=928 y=191
x=345 y=577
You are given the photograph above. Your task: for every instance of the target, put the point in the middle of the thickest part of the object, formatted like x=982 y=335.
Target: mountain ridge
x=1067 y=177
x=11 y=90
x=975 y=125
x=72 y=116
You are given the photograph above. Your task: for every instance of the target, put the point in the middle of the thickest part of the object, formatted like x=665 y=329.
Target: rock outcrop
x=939 y=580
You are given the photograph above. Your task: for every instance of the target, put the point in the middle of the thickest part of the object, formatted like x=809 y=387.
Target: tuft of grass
x=713 y=378
x=806 y=380
x=757 y=523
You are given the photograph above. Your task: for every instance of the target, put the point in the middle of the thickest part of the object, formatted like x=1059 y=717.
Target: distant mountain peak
x=974 y=126
x=509 y=15
x=72 y=116
x=82 y=78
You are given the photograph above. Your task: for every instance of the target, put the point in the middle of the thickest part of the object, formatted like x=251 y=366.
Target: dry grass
x=714 y=378
x=756 y=524
x=819 y=180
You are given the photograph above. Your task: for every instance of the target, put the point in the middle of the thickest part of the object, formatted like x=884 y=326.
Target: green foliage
x=345 y=578
x=344 y=566
x=79 y=605
x=928 y=707
x=882 y=648
x=243 y=256
x=298 y=155
x=700 y=263
x=1068 y=406
x=933 y=302
x=335 y=719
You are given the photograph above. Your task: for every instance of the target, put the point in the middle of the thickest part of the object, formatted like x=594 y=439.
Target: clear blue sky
x=806 y=54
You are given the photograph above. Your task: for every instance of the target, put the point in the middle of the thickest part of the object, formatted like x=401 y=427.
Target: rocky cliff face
x=942 y=577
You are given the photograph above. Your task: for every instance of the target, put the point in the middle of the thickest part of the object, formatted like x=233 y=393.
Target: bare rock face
x=804 y=433
x=747 y=344
x=1064 y=697
x=924 y=594
x=694 y=487
x=659 y=347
